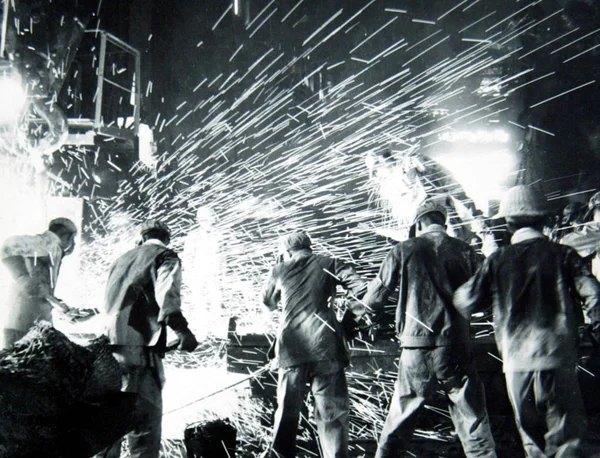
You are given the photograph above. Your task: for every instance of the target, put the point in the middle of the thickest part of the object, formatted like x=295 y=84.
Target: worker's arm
x=271 y=293
x=167 y=291
x=475 y=295
x=356 y=286
x=586 y=286
x=386 y=281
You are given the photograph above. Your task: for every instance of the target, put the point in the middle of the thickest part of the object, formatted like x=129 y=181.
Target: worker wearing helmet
x=34 y=262
x=536 y=287
x=587 y=240
x=434 y=337
x=142 y=298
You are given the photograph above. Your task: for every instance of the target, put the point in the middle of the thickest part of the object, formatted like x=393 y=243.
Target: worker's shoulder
x=148 y=251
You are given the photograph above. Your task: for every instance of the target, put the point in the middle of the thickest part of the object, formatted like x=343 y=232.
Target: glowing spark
x=395 y=10
x=549 y=42
x=423 y=40
x=575 y=41
x=263 y=22
x=391 y=21
x=260 y=14
x=418 y=321
x=336 y=65
x=471 y=5
x=585 y=370
x=452 y=9
x=477 y=21
x=235 y=53
x=325 y=24
x=512 y=15
x=423 y=21
x=425 y=51
x=581 y=53
x=495 y=357
x=324 y=322
x=292 y=10
x=221 y=18
x=562 y=93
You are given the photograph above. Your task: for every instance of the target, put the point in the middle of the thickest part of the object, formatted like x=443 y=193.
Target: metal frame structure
x=99 y=126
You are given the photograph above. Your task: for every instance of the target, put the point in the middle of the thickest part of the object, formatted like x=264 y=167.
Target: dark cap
x=65 y=223
x=154 y=225
x=297 y=240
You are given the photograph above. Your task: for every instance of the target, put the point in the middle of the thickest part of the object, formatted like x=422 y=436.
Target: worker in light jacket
x=536 y=287
x=143 y=296
x=34 y=263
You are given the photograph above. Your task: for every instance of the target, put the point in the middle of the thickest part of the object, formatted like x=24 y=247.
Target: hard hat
x=429 y=206
x=592 y=205
x=154 y=225
x=523 y=201
x=297 y=240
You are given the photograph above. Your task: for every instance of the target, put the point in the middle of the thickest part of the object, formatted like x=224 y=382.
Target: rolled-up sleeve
x=167 y=288
x=271 y=293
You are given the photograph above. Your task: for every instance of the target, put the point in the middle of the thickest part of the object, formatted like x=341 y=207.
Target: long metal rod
x=252 y=375
x=5 y=7
x=123 y=88
x=100 y=86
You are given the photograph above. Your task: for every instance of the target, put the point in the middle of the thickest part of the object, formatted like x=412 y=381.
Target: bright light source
x=476 y=136
x=147 y=146
x=236 y=7
x=12 y=98
x=484 y=173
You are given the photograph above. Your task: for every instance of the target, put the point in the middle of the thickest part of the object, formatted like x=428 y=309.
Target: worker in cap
x=586 y=240
x=538 y=289
x=310 y=345
x=427 y=269
x=298 y=240
x=143 y=297
x=34 y=262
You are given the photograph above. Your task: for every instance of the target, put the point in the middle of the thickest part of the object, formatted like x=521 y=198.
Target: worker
x=586 y=240
x=310 y=346
x=434 y=337
x=142 y=298
x=535 y=287
x=34 y=262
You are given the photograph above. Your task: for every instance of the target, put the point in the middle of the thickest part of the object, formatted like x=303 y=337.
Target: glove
x=187 y=340
x=349 y=326
x=177 y=322
x=590 y=333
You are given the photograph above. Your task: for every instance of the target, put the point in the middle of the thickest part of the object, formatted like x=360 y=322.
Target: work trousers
x=420 y=372
x=327 y=380
x=549 y=412
x=144 y=440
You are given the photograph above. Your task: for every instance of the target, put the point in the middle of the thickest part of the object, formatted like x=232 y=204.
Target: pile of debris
x=59 y=399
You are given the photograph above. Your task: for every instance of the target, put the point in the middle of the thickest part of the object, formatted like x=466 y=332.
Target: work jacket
x=587 y=244
x=427 y=269
x=34 y=280
x=305 y=286
x=143 y=288
x=535 y=287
